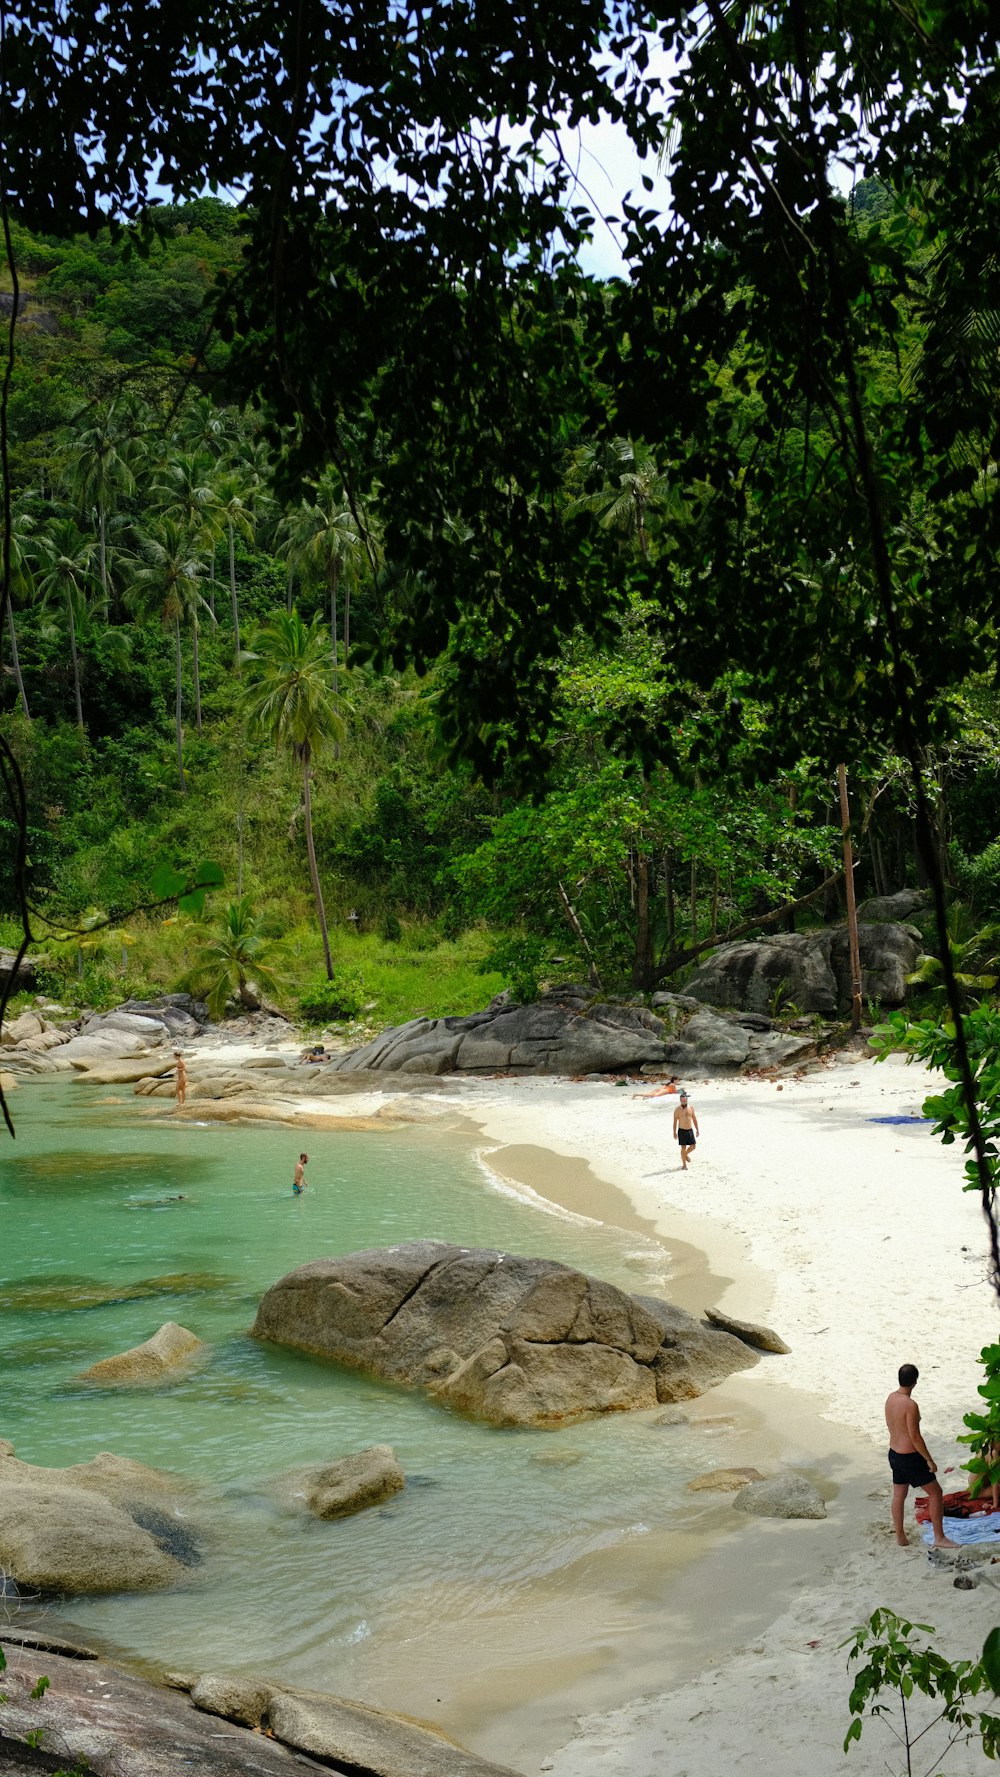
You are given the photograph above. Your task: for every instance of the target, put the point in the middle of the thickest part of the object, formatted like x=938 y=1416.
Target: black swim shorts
x=909 y=1470
x=686 y=1137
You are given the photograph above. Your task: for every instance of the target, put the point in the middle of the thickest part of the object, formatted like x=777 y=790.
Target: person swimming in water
x=299 y=1175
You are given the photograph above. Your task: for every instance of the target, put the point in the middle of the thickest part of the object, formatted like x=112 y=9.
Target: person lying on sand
x=686 y=1129
x=659 y=1091
x=910 y=1460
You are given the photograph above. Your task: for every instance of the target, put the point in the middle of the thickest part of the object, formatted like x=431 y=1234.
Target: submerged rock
x=109 y=1525
x=516 y=1341
x=337 y=1489
x=170 y=1354
x=61 y=1292
x=724 y=1480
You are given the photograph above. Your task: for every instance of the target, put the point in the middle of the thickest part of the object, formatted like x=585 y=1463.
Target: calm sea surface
x=487 y=1514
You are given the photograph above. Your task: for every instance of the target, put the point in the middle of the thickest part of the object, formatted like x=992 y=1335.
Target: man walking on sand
x=686 y=1129
x=180 y=1080
x=910 y=1460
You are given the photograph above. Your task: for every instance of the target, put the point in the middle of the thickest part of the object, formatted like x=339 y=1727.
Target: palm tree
x=230 y=956
x=64 y=562
x=233 y=496
x=21 y=586
x=97 y=469
x=169 y=585
x=291 y=702
x=324 y=538
x=632 y=486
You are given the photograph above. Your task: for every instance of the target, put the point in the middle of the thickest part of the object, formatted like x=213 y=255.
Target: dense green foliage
x=148 y=533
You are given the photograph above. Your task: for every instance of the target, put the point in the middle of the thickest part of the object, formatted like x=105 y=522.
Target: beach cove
x=615 y=1618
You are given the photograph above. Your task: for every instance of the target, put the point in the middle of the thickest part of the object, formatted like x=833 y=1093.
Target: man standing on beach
x=910 y=1460
x=181 y=1079
x=686 y=1129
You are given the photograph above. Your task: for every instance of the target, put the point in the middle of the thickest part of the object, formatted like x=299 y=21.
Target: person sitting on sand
x=910 y=1460
x=660 y=1091
x=181 y=1079
x=686 y=1129
x=299 y=1175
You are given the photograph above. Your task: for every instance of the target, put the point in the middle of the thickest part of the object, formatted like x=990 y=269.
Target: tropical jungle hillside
x=170 y=584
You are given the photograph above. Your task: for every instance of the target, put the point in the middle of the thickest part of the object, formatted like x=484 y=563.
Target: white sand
x=856 y=1242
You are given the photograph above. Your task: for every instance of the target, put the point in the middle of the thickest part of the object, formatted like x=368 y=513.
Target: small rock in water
x=557 y=1458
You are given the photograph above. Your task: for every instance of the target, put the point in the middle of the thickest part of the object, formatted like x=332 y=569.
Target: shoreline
x=683 y=1643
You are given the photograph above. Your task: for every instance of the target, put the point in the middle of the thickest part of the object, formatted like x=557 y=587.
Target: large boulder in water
x=516 y=1341
x=109 y=1525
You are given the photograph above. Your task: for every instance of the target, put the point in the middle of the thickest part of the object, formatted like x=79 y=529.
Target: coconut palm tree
x=325 y=540
x=291 y=702
x=97 y=469
x=64 y=575
x=632 y=486
x=234 y=492
x=169 y=585
x=230 y=962
x=22 y=589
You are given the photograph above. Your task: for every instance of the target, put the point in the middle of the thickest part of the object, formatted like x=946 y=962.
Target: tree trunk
x=642 y=956
x=852 y=912
x=76 y=664
x=713 y=930
x=580 y=935
x=103 y=548
x=179 y=707
x=334 y=577
x=694 y=901
x=196 y=672
x=289 y=589
x=15 y=661
x=211 y=584
x=232 y=594
x=347 y=622
x=313 y=871
x=668 y=891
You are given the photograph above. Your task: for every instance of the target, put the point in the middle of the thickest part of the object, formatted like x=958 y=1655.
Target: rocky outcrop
x=337 y=1489
x=26 y=971
x=346 y=1736
x=109 y=1525
x=512 y=1340
x=783 y=1496
x=761 y=1338
x=810 y=970
x=171 y=1353
x=562 y=1034
x=112 y=1723
x=38 y=1043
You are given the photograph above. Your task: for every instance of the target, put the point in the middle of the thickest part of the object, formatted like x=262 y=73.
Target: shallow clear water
x=487 y=1516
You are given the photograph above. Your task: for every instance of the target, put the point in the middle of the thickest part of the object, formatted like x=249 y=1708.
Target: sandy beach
x=852 y=1237
x=823 y=1206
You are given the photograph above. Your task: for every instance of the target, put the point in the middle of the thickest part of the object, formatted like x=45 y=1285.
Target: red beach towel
x=956 y=1505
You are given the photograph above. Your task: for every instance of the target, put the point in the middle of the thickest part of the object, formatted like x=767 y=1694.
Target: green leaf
x=991 y=1659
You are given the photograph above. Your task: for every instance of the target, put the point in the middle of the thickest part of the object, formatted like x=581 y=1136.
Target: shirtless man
x=910 y=1460
x=686 y=1128
x=299 y=1175
x=181 y=1080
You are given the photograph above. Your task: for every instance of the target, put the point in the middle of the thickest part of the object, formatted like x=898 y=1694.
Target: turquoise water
x=486 y=1517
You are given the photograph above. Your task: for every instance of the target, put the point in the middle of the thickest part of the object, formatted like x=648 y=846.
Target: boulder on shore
x=336 y=1489
x=170 y=1354
x=783 y=1496
x=810 y=970
x=515 y=1341
x=109 y=1525
x=761 y=1338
